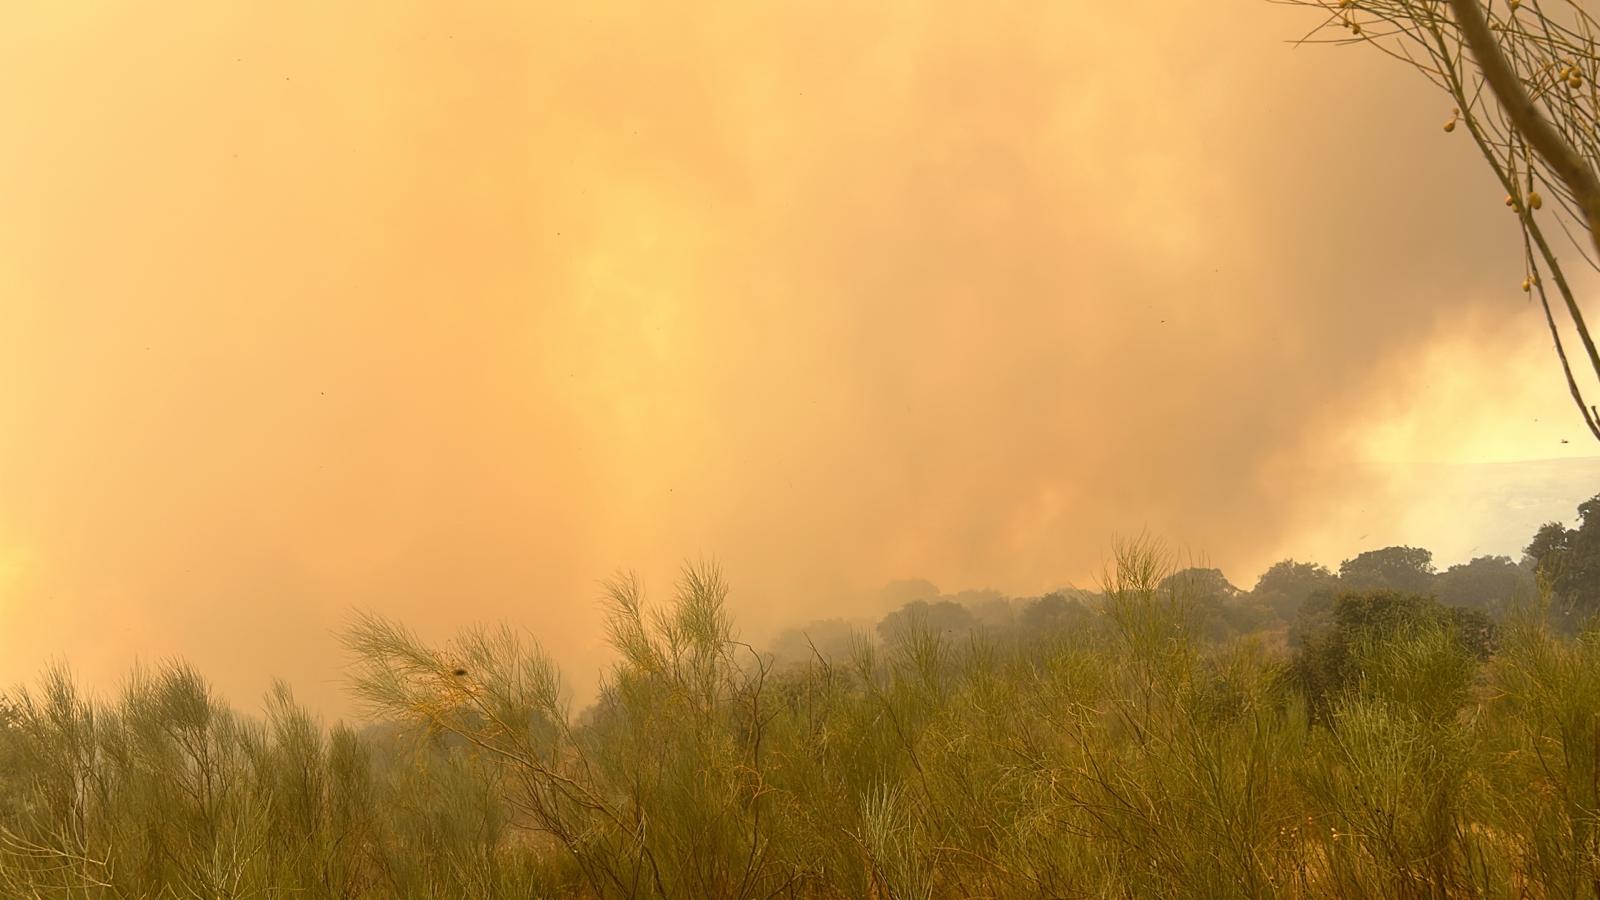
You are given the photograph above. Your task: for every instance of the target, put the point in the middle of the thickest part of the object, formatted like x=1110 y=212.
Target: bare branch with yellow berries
x=1522 y=77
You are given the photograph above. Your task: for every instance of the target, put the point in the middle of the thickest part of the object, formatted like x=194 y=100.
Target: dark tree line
x=1298 y=598
x=1568 y=559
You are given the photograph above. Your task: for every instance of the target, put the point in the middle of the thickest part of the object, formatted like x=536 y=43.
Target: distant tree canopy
x=1300 y=602
x=944 y=618
x=1224 y=609
x=832 y=638
x=1406 y=569
x=1568 y=559
x=1207 y=587
x=1488 y=583
x=992 y=609
x=1053 y=613
x=1285 y=587
x=908 y=590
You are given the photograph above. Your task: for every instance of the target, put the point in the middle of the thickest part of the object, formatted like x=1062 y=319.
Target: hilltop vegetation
x=1382 y=731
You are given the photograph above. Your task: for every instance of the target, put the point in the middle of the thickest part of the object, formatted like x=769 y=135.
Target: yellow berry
x=1534 y=200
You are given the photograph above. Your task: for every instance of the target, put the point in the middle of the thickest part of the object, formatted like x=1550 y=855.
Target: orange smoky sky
x=449 y=310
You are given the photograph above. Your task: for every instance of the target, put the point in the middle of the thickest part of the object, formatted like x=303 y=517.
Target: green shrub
x=1406 y=750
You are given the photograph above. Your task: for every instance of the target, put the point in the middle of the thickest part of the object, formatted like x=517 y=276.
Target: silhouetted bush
x=1333 y=652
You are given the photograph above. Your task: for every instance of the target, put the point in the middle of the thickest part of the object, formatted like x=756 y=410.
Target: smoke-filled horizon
x=449 y=311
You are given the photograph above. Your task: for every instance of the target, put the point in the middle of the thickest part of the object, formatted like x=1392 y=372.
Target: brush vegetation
x=1114 y=744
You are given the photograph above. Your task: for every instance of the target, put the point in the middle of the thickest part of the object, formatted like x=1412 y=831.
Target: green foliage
x=945 y=617
x=1106 y=745
x=1208 y=587
x=1357 y=643
x=1405 y=569
x=1054 y=615
x=1545 y=721
x=1287 y=585
x=1568 y=560
x=1491 y=584
x=167 y=793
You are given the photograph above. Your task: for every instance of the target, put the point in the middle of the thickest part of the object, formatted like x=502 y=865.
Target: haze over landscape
x=451 y=310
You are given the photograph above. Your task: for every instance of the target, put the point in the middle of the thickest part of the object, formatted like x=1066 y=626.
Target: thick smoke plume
x=448 y=310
